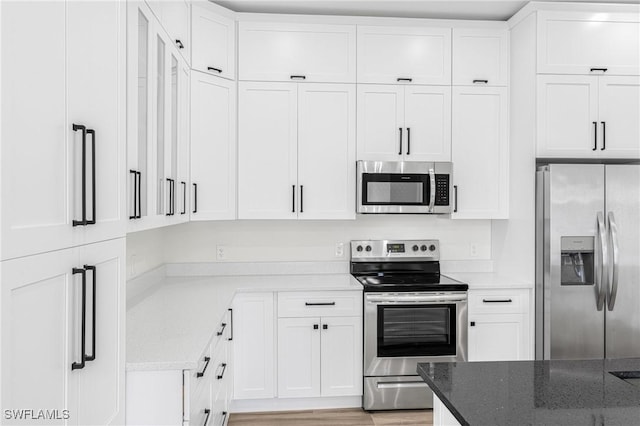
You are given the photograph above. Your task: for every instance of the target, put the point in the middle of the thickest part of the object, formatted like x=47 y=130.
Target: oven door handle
x=417 y=299
x=395 y=385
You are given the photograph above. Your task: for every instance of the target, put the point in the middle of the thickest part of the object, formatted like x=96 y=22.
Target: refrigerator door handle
x=615 y=256
x=602 y=263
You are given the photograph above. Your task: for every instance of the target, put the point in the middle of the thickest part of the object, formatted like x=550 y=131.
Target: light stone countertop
x=170 y=328
x=489 y=281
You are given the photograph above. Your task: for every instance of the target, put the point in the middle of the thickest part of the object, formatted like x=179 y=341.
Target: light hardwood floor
x=341 y=417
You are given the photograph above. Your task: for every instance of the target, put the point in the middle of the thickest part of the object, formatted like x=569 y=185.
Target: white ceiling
x=452 y=9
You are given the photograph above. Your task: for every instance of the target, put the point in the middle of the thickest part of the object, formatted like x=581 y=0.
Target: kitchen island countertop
x=557 y=392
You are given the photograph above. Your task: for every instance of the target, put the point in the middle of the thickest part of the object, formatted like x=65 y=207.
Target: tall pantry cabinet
x=63 y=210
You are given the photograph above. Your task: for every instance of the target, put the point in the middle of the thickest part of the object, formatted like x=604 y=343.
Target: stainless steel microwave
x=414 y=187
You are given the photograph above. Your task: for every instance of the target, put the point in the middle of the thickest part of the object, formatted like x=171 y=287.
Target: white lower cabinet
x=499 y=325
x=57 y=355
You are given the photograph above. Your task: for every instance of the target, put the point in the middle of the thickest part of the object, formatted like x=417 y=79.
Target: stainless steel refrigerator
x=587 y=261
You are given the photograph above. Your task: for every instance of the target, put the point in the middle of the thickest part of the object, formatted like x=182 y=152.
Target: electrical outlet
x=339 y=249
x=473 y=250
x=221 y=252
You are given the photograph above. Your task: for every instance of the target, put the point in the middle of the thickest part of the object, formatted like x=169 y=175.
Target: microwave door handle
x=432 y=191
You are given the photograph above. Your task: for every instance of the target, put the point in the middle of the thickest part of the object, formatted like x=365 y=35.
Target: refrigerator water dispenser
x=577 y=261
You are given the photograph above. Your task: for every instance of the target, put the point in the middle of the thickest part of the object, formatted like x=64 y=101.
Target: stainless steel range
x=412 y=314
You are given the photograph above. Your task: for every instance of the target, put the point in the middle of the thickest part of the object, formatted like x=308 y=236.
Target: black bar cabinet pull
x=224 y=368
x=231 y=327
x=595 y=136
x=293 y=198
x=224 y=325
x=400 y=139
x=319 y=303
x=481 y=81
x=604 y=135
x=92 y=357
x=473 y=324
x=83 y=272
x=325 y=326
x=218 y=70
x=173 y=197
x=82 y=222
x=224 y=417
x=170 y=212
x=598 y=69
x=139 y=195
x=206 y=364
x=408 y=140
x=301 y=198
x=135 y=194
x=455 y=198
x=206 y=419
x=300 y=77
x=405 y=79
x=497 y=300
x=195 y=198
x=315 y=326
x=92 y=221
x=184 y=197
x=179 y=43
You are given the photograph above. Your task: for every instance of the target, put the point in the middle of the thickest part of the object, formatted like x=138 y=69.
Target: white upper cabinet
x=62 y=130
x=391 y=55
x=480 y=153
x=410 y=123
x=588 y=116
x=290 y=52
x=213 y=43
x=213 y=147
x=480 y=57
x=175 y=18
x=588 y=43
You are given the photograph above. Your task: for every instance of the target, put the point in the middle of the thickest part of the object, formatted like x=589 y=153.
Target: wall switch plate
x=221 y=253
x=473 y=250
x=339 y=249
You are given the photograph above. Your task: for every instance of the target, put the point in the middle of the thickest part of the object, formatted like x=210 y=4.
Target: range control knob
x=415 y=248
x=359 y=248
x=368 y=248
x=423 y=247
x=432 y=247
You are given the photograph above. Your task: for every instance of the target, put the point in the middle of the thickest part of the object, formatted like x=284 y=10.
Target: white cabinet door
x=40 y=331
x=619 y=112
x=567 y=116
x=380 y=135
x=480 y=56
x=326 y=142
x=341 y=356
x=214 y=42
x=585 y=42
x=184 y=142
x=480 y=153
x=427 y=123
x=298 y=357
x=267 y=150
x=254 y=348
x=101 y=382
x=499 y=337
x=415 y=55
x=286 y=52
x=176 y=18
x=213 y=147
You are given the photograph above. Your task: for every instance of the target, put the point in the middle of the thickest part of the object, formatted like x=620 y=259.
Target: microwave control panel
x=442 y=190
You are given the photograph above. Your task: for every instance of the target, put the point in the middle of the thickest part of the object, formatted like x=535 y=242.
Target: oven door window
x=416 y=330
x=395 y=189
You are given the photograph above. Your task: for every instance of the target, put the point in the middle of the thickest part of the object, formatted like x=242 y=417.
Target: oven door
x=403 y=329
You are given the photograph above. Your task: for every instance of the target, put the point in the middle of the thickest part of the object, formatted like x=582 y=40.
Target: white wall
x=145 y=251
x=262 y=240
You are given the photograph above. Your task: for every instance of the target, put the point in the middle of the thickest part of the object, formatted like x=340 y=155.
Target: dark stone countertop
x=580 y=392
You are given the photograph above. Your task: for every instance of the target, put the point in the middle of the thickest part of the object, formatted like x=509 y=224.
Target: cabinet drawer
x=498 y=302
x=319 y=303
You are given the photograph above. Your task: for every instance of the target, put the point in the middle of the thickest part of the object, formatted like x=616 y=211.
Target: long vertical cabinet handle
x=139 y=195
x=173 y=197
x=601 y=266
x=400 y=139
x=604 y=135
x=231 y=321
x=301 y=198
x=83 y=272
x=293 y=198
x=595 y=135
x=408 y=140
x=171 y=200
x=432 y=189
x=82 y=222
x=195 y=198
x=94 y=195
x=615 y=256
x=184 y=197
x=135 y=194
x=94 y=279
